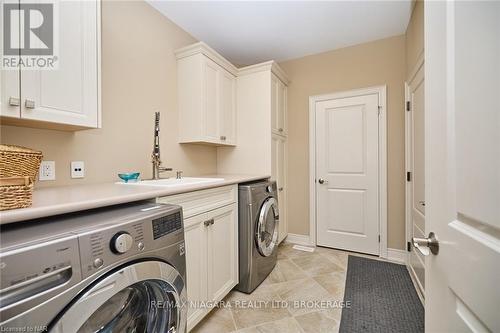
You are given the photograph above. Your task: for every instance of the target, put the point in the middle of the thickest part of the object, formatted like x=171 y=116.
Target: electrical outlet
x=47 y=170
x=77 y=169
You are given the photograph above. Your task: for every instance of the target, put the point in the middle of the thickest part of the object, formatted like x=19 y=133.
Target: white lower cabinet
x=196 y=246
x=222 y=252
x=211 y=259
x=211 y=238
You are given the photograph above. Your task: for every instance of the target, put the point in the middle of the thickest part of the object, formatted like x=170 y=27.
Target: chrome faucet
x=155 y=155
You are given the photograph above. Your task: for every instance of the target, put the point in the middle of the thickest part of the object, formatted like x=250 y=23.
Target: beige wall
x=370 y=64
x=138 y=78
x=415 y=37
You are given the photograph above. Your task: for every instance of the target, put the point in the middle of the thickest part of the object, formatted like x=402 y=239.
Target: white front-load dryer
x=119 y=269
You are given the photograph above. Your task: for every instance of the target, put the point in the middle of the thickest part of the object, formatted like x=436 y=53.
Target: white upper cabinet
x=207 y=96
x=262 y=130
x=67 y=97
x=278 y=107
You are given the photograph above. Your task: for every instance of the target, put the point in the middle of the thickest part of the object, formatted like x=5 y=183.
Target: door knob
x=427 y=245
x=322 y=181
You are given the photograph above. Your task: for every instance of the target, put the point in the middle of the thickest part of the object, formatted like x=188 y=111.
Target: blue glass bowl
x=129 y=176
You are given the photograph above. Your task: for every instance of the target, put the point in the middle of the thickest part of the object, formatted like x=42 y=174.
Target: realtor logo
x=28 y=37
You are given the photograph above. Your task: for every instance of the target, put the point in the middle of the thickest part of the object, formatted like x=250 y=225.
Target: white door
x=69 y=94
x=462 y=147
x=415 y=178
x=222 y=252
x=347 y=191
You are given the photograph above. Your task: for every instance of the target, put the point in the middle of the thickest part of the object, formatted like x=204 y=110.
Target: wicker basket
x=18 y=161
x=15 y=192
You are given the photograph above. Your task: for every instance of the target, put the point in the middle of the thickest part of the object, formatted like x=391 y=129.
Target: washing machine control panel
x=120 y=242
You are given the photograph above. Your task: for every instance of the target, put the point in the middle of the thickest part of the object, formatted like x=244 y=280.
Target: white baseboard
x=397 y=255
x=298 y=239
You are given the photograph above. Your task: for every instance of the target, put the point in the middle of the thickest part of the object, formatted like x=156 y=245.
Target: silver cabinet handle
x=280 y=129
x=223 y=137
x=422 y=203
x=322 y=181
x=209 y=222
x=280 y=189
x=427 y=245
x=14 y=101
x=29 y=104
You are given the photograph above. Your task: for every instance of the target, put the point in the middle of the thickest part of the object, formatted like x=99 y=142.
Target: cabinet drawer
x=194 y=203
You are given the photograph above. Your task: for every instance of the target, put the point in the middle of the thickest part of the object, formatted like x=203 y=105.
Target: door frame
x=408 y=168
x=381 y=91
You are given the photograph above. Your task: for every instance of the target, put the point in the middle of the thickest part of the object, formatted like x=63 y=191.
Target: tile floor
x=298 y=276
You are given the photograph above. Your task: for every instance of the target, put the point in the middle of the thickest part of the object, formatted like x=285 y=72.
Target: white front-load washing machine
x=258 y=222
x=116 y=269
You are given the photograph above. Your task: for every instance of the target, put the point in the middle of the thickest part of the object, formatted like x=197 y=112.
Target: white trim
x=203 y=48
x=397 y=255
x=408 y=229
x=298 y=239
x=382 y=93
x=408 y=158
x=270 y=65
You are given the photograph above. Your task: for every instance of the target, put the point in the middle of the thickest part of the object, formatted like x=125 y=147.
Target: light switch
x=77 y=169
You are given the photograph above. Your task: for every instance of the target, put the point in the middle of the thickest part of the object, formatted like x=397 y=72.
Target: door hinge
x=408 y=176
x=408 y=108
x=379 y=238
x=379 y=109
x=408 y=246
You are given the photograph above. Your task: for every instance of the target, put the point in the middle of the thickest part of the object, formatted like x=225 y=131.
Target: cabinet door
x=278 y=106
x=281 y=105
x=282 y=190
x=278 y=173
x=274 y=103
x=227 y=121
x=10 y=99
x=222 y=252
x=211 y=98
x=70 y=94
x=195 y=233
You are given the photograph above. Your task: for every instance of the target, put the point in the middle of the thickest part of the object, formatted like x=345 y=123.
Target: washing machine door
x=144 y=297
x=267 y=227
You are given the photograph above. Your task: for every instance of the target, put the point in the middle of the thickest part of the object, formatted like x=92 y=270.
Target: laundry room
x=249 y=166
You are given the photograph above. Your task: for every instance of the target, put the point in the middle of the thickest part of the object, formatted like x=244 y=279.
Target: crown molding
x=206 y=50
x=266 y=66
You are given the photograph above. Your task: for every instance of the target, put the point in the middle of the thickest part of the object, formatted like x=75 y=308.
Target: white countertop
x=48 y=201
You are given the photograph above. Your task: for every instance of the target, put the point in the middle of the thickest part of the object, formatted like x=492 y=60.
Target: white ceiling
x=249 y=32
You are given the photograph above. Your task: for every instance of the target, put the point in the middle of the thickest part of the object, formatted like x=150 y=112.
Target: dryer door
x=267 y=227
x=145 y=297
